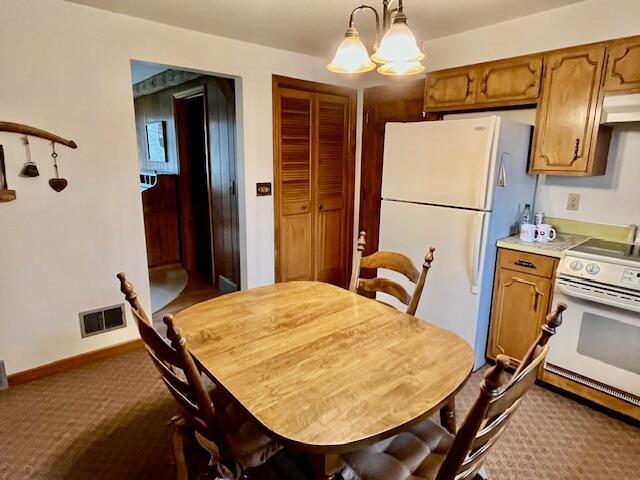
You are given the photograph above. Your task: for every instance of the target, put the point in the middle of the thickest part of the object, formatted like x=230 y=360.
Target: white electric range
x=598 y=343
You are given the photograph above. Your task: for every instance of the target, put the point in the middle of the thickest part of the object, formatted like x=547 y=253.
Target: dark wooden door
x=314 y=168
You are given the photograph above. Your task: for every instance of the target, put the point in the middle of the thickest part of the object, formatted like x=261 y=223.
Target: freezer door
x=450 y=298
x=449 y=162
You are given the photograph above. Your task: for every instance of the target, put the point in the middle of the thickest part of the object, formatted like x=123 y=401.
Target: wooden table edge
x=339 y=448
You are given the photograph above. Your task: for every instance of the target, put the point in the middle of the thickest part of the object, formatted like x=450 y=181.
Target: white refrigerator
x=457 y=185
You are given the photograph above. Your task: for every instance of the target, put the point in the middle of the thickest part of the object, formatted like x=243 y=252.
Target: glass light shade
x=351 y=55
x=398 y=45
x=401 y=68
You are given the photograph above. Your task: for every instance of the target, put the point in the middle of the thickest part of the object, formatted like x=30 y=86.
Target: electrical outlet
x=4 y=382
x=573 y=201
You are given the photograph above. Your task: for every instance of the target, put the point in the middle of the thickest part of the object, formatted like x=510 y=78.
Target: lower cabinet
x=521 y=301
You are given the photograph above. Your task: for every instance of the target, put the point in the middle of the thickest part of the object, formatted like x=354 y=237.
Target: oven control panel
x=602 y=272
x=631 y=276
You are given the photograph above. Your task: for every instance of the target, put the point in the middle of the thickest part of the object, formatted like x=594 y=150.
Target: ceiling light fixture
x=398 y=52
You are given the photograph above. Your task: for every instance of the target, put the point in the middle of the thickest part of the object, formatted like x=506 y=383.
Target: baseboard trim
x=72 y=362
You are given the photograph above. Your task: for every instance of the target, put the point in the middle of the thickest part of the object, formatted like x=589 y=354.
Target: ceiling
x=315 y=27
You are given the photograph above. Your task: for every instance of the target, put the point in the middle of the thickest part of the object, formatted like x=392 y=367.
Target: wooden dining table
x=324 y=370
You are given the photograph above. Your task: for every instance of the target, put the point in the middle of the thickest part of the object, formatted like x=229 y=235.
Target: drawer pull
x=524 y=263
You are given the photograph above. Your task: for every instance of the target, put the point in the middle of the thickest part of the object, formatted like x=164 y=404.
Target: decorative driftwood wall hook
x=30 y=169
x=36 y=132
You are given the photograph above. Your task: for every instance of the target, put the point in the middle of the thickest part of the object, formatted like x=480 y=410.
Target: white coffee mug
x=528 y=232
x=546 y=233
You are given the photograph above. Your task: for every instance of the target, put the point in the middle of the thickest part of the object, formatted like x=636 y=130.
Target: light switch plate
x=573 y=201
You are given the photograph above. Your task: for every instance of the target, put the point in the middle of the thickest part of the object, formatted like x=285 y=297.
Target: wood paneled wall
x=398 y=103
x=154 y=108
x=222 y=148
x=221 y=139
x=161 y=222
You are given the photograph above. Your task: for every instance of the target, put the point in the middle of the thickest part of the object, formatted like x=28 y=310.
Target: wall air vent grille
x=102 y=320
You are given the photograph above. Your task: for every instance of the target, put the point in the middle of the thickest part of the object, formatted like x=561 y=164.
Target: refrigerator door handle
x=479 y=247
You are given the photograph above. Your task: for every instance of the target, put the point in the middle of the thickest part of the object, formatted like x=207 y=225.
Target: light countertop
x=549 y=249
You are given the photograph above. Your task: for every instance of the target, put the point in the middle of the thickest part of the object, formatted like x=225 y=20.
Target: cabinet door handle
x=320 y=206
x=483 y=86
x=535 y=301
x=524 y=263
x=577 y=148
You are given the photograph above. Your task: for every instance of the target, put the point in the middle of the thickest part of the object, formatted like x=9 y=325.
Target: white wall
x=612 y=198
x=66 y=68
x=575 y=24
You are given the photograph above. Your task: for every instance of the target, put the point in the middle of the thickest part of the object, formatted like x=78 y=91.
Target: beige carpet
x=166 y=283
x=107 y=421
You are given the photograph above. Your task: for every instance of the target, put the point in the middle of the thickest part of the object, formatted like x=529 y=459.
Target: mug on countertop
x=528 y=232
x=546 y=233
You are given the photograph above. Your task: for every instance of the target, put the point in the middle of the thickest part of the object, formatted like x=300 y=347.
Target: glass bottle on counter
x=526 y=215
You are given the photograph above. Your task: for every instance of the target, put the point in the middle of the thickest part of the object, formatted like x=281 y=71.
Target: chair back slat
x=518 y=386
x=170 y=377
x=154 y=342
x=494 y=428
x=392 y=261
x=386 y=286
x=494 y=407
x=396 y=262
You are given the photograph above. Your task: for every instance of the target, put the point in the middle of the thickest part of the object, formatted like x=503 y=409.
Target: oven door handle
x=579 y=293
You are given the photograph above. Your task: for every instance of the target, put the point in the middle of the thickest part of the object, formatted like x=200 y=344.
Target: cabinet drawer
x=526 y=262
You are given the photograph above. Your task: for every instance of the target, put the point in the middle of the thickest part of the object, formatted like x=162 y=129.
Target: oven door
x=598 y=342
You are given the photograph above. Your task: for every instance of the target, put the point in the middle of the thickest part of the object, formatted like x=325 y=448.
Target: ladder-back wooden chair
x=391 y=261
x=427 y=451
x=220 y=425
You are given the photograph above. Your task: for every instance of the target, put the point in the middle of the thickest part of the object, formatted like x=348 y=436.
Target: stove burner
x=604 y=248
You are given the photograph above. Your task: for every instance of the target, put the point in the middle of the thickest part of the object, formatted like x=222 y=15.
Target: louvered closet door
x=294 y=192
x=331 y=163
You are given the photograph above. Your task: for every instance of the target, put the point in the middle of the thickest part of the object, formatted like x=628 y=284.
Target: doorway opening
x=186 y=130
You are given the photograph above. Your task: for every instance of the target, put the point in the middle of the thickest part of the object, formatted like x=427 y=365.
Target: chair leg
x=448 y=416
x=179 y=433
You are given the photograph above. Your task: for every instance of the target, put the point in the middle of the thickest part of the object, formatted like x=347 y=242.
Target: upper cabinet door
x=515 y=79
x=568 y=115
x=450 y=88
x=293 y=143
x=623 y=66
x=332 y=171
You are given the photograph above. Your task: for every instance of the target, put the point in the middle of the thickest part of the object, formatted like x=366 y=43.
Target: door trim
x=279 y=82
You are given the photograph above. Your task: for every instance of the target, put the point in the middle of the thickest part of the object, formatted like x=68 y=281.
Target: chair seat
x=415 y=454
x=249 y=445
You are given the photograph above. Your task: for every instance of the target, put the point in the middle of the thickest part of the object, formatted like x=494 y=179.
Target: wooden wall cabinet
x=623 y=67
x=512 y=80
x=449 y=89
x=568 y=137
x=522 y=294
x=501 y=83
